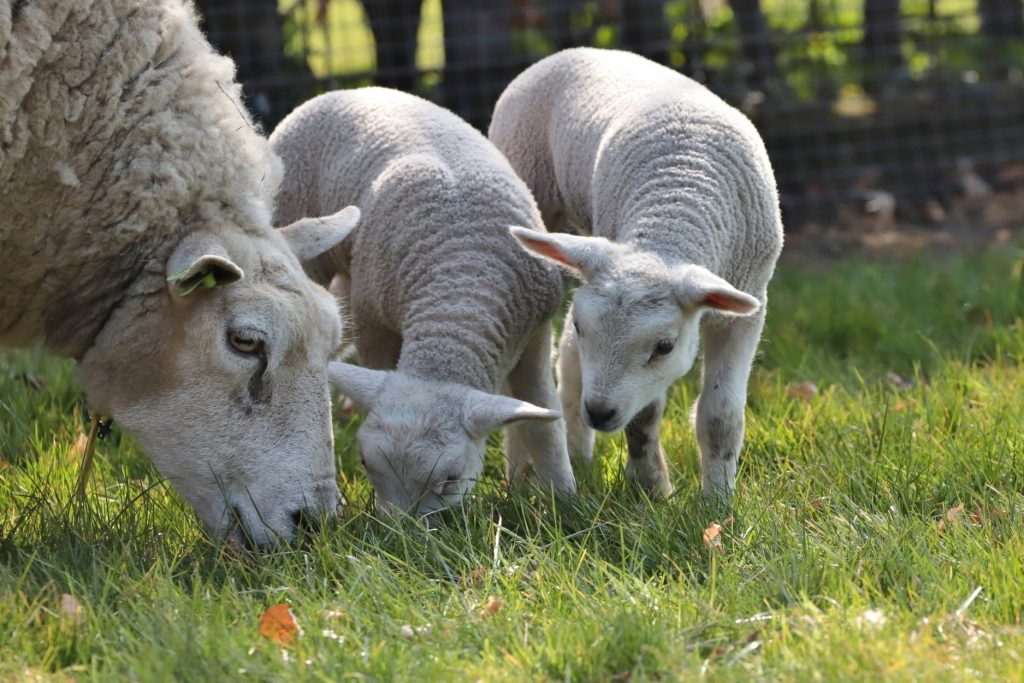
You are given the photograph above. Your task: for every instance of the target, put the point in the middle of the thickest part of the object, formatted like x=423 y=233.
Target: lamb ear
x=582 y=257
x=310 y=237
x=700 y=288
x=359 y=384
x=199 y=263
x=485 y=413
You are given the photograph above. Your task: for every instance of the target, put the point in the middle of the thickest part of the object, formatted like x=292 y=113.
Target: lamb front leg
x=729 y=349
x=646 y=466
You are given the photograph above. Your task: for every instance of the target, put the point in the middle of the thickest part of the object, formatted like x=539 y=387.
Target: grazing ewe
x=445 y=308
x=676 y=190
x=135 y=237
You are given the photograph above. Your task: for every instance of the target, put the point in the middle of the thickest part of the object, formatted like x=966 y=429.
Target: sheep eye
x=452 y=477
x=662 y=348
x=576 y=326
x=244 y=343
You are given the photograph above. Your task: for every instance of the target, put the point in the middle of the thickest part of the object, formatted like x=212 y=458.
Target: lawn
x=876 y=530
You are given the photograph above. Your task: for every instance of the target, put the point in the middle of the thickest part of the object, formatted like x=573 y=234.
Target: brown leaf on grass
x=951 y=518
x=492 y=607
x=978 y=316
x=805 y=390
x=81 y=443
x=71 y=608
x=713 y=537
x=903 y=405
x=475 y=577
x=278 y=624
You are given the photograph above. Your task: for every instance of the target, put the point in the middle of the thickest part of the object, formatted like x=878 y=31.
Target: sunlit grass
x=865 y=519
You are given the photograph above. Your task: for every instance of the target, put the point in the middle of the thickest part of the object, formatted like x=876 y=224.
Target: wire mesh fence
x=885 y=107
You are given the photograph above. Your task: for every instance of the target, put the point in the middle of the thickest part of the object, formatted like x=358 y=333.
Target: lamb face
x=423 y=441
x=231 y=401
x=635 y=321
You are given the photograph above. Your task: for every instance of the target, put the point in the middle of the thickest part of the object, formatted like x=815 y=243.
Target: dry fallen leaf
x=475 y=578
x=71 y=608
x=952 y=517
x=805 y=390
x=81 y=443
x=278 y=624
x=492 y=607
x=713 y=537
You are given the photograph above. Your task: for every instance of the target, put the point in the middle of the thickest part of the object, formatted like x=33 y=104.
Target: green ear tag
x=186 y=287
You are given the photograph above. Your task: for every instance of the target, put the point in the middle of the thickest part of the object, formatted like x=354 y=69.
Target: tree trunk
x=395 y=25
x=756 y=42
x=883 y=33
x=479 y=60
x=1002 y=19
x=250 y=32
x=644 y=29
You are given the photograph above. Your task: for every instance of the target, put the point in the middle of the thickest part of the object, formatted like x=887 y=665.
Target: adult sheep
x=675 y=194
x=135 y=237
x=446 y=309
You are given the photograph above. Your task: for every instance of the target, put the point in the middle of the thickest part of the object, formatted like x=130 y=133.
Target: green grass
x=847 y=555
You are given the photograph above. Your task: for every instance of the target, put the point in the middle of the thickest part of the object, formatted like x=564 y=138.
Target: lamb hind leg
x=538 y=448
x=646 y=466
x=729 y=350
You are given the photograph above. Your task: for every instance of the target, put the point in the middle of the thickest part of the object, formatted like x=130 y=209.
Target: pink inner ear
x=724 y=302
x=549 y=250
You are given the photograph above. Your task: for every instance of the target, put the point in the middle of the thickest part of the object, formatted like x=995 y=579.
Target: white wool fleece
x=136 y=237
x=434 y=285
x=676 y=202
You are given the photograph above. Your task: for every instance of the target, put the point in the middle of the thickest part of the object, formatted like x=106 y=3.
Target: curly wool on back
x=432 y=261
x=620 y=147
x=120 y=132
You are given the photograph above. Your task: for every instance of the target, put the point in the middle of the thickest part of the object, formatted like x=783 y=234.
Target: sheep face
x=422 y=442
x=228 y=394
x=635 y=320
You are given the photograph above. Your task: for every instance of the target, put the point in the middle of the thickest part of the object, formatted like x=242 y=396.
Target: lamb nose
x=599 y=415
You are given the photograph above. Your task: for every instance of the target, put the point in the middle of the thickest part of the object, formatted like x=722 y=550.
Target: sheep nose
x=599 y=415
x=307 y=519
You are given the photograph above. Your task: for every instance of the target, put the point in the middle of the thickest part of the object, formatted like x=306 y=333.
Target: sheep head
x=635 y=320
x=422 y=443
x=221 y=376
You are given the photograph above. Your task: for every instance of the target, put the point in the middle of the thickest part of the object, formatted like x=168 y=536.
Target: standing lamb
x=135 y=237
x=676 y=190
x=445 y=308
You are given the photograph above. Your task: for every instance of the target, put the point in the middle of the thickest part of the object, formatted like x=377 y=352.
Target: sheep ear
x=310 y=237
x=699 y=288
x=582 y=257
x=359 y=384
x=198 y=263
x=486 y=412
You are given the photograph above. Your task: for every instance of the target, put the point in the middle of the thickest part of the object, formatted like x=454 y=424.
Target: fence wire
x=888 y=107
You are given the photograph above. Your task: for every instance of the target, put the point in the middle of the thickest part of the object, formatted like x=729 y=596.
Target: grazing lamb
x=135 y=237
x=675 y=189
x=445 y=308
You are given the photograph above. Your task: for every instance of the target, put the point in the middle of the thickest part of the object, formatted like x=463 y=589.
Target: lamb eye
x=244 y=343
x=663 y=348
